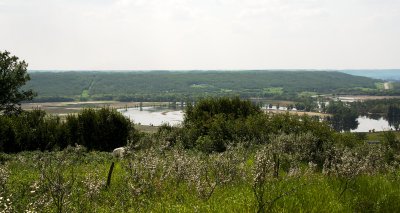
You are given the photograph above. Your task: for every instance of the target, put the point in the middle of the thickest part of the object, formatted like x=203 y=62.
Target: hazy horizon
x=222 y=70
x=382 y=74
x=202 y=35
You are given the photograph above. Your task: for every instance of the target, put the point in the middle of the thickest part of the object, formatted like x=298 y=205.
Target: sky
x=202 y=34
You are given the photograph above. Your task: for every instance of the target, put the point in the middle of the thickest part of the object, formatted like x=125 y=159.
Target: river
x=156 y=116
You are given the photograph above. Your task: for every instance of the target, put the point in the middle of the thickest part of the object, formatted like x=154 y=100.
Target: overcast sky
x=202 y=34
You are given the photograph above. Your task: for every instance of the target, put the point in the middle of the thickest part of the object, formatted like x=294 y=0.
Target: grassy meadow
x=177 y=180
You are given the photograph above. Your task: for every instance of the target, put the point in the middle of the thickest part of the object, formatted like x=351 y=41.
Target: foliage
x=380 y=106
x=268 y=186
x=210 y=122
x=306 y=104
x=227 y=156
x=211 y=126
x=391 y=146
x=393 y=116
x=350 y=140
x=30 y=131
x=233 y=108
x=178 y=86
x=343 y=116
x=244 y=178
x=13 y=76
x=386 y=108
x=103 y=129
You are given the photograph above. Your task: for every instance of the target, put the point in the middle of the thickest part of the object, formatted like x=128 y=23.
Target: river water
x=367 y=124
x=157 y=116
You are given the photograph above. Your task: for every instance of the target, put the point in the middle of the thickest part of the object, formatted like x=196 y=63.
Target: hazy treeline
x=374 y=106
x=178 y=86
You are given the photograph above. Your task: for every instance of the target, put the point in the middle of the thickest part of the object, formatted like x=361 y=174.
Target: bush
x=31 y=130
x=103 y=130
x=213 y=124
x=215 y=118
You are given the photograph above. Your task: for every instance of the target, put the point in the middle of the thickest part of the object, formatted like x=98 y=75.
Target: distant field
x=184 y=85
x=379 y=136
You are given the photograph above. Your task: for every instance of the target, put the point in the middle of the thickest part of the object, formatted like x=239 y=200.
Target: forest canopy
x=183 y=85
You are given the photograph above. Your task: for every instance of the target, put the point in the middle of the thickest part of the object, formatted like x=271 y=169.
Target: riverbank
x=63 y=108
x=322 y=115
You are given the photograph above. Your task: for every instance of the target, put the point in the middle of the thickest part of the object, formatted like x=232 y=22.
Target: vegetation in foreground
x=271 y=177
x=226 y=157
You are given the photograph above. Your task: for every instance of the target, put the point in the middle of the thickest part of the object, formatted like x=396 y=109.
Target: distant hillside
x=181 y=85
x=389 y=75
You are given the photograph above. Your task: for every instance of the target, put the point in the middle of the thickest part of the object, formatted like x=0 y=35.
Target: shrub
x=213 y=124
x=103 y=130
x=32 y=130
x=216 y=118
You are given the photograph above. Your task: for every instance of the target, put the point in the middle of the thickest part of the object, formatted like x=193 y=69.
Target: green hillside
x=178 y=85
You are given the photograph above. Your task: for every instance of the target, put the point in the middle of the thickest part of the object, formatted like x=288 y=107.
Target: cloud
x=192 y=34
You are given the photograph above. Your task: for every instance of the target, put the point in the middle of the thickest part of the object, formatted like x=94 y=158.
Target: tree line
x=177 y=86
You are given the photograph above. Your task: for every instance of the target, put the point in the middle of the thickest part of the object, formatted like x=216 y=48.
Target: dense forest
x=170 y=86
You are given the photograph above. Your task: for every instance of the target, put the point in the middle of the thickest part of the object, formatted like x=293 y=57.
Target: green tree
x=13 y=75
x=216 y=119
x=393 y=116
x=343 y=118
x=104 y=129
x=307 y=104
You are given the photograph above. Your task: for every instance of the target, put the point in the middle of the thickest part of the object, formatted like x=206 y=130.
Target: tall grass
x=179 y=180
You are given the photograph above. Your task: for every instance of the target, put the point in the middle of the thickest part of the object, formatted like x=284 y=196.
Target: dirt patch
x=147 y=129
x=323 y=115
x=366 y=97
